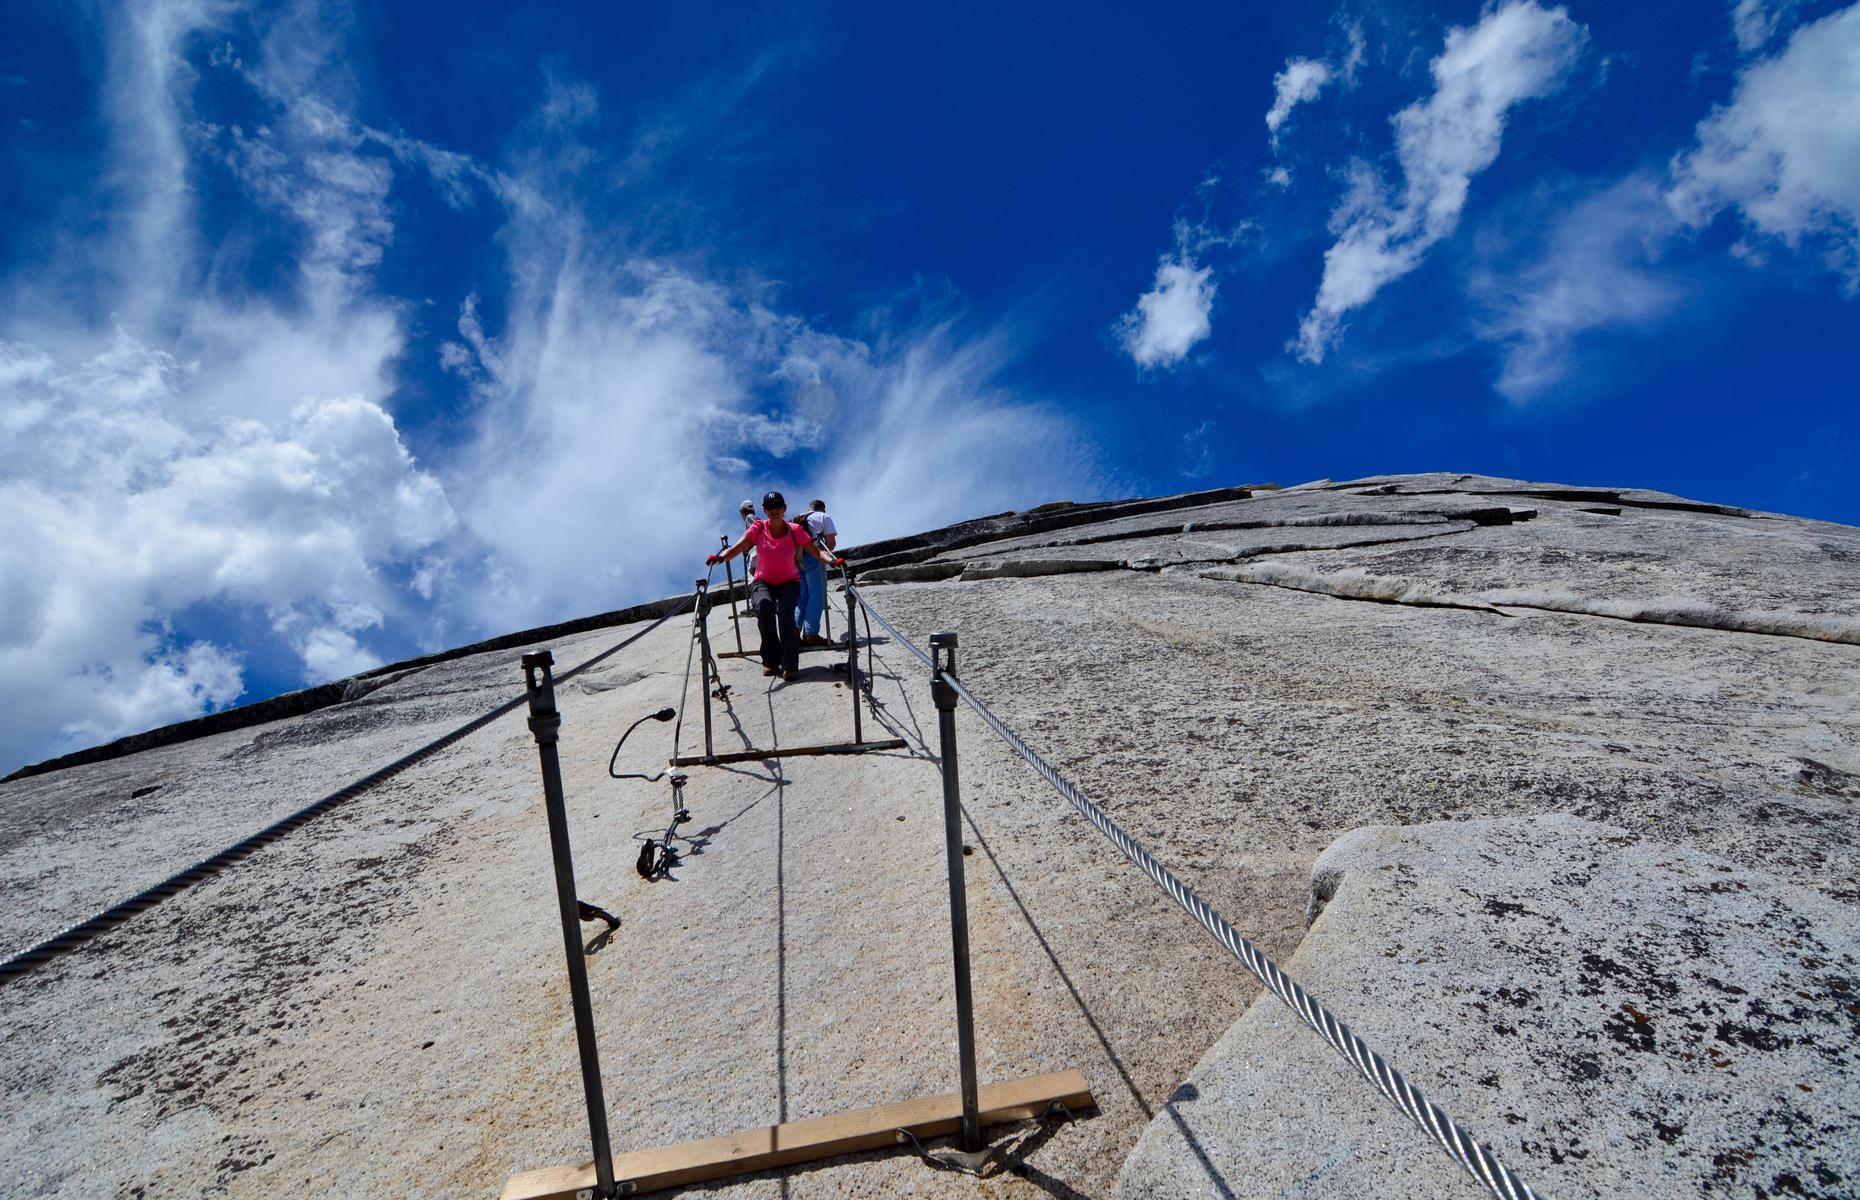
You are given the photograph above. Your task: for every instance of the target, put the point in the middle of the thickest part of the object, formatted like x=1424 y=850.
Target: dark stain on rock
x=1632 y=1028
x=1819 y=777
x=263 y=989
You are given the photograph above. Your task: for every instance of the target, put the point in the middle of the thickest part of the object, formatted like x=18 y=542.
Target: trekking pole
x=943 y=660
x=736 y=621
x=852 y=654
x=710 y=664
x=545 y=724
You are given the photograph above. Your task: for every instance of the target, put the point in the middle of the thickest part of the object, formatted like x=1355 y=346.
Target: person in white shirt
x=813 y=601
x=748 y=512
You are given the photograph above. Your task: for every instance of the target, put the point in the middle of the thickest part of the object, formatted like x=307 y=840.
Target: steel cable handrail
x=678 y=727
x=1474 y=1156
x=77 y=935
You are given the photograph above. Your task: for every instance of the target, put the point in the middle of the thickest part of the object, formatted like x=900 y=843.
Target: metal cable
x=870 y=653
x=889 y=628
x=26 y=961
x=1478 y=1159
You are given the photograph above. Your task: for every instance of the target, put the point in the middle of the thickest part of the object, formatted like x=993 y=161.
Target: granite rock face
x=1489 y=677
x=1638 y=1018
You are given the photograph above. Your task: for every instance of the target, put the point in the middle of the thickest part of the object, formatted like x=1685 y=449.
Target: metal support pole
x=943 y=655
x=710 y=664
x=852 y=654
x=729 y=573
x=545 y=723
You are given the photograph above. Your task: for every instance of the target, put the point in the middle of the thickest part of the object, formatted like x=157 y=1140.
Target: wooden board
x=830 y=648
x=736 y=756
x=804 y=1141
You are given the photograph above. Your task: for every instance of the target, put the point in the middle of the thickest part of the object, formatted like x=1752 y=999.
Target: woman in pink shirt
x=776 y=585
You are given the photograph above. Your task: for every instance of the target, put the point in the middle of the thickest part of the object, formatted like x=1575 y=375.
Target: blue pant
x=813 y=600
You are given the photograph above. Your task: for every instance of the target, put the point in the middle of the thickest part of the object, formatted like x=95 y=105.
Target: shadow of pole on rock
x=1194 y=1143
x=781 y=925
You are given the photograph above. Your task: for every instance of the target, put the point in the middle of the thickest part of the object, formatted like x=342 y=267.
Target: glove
x=711 y=560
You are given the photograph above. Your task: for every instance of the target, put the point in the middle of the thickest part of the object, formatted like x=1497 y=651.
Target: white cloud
x=1517 y=52
x=1785 y=152
x=1172 y=316
x=130 y=496
x=1594 y=270
x=331 y=653
x=1755 y=22
x=1301 y=80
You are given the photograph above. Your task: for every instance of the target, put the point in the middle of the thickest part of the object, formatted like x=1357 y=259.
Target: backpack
x=813 y=535
x=800 y=555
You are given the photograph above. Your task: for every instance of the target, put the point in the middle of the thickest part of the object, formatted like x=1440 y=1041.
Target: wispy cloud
x=1755 y=22
x=1195 y=455
x=623 y=384
x=1785 y=152
x=1597 y=267
x=928 y=435
x=1517 y=52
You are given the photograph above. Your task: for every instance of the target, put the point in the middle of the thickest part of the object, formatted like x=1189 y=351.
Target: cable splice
x=26 y=961
x=1477 y=1159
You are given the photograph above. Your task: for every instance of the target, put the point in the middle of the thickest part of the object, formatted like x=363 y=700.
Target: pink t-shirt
x=775 y=555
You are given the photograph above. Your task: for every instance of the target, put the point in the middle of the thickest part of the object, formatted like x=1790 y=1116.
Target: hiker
x=813 y=603
x=779 y=545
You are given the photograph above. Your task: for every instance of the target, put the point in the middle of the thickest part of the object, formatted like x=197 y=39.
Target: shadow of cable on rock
x=881 y=712
x=1215 y=1177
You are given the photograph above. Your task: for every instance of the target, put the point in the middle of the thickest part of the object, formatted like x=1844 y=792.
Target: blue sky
x=330 y=334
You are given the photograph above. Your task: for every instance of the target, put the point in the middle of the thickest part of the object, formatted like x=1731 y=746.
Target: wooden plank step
x=736 y=756
x=805 y=1141
x=830 y=648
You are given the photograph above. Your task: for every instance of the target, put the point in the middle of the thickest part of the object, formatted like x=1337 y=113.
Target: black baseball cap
x=774 y=499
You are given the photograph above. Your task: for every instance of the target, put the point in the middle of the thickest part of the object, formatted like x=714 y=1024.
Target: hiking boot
x=790 y=675
x=814 y=639
x=768 y=670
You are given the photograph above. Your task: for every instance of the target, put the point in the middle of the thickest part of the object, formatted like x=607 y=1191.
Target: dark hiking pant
x=781 y=640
